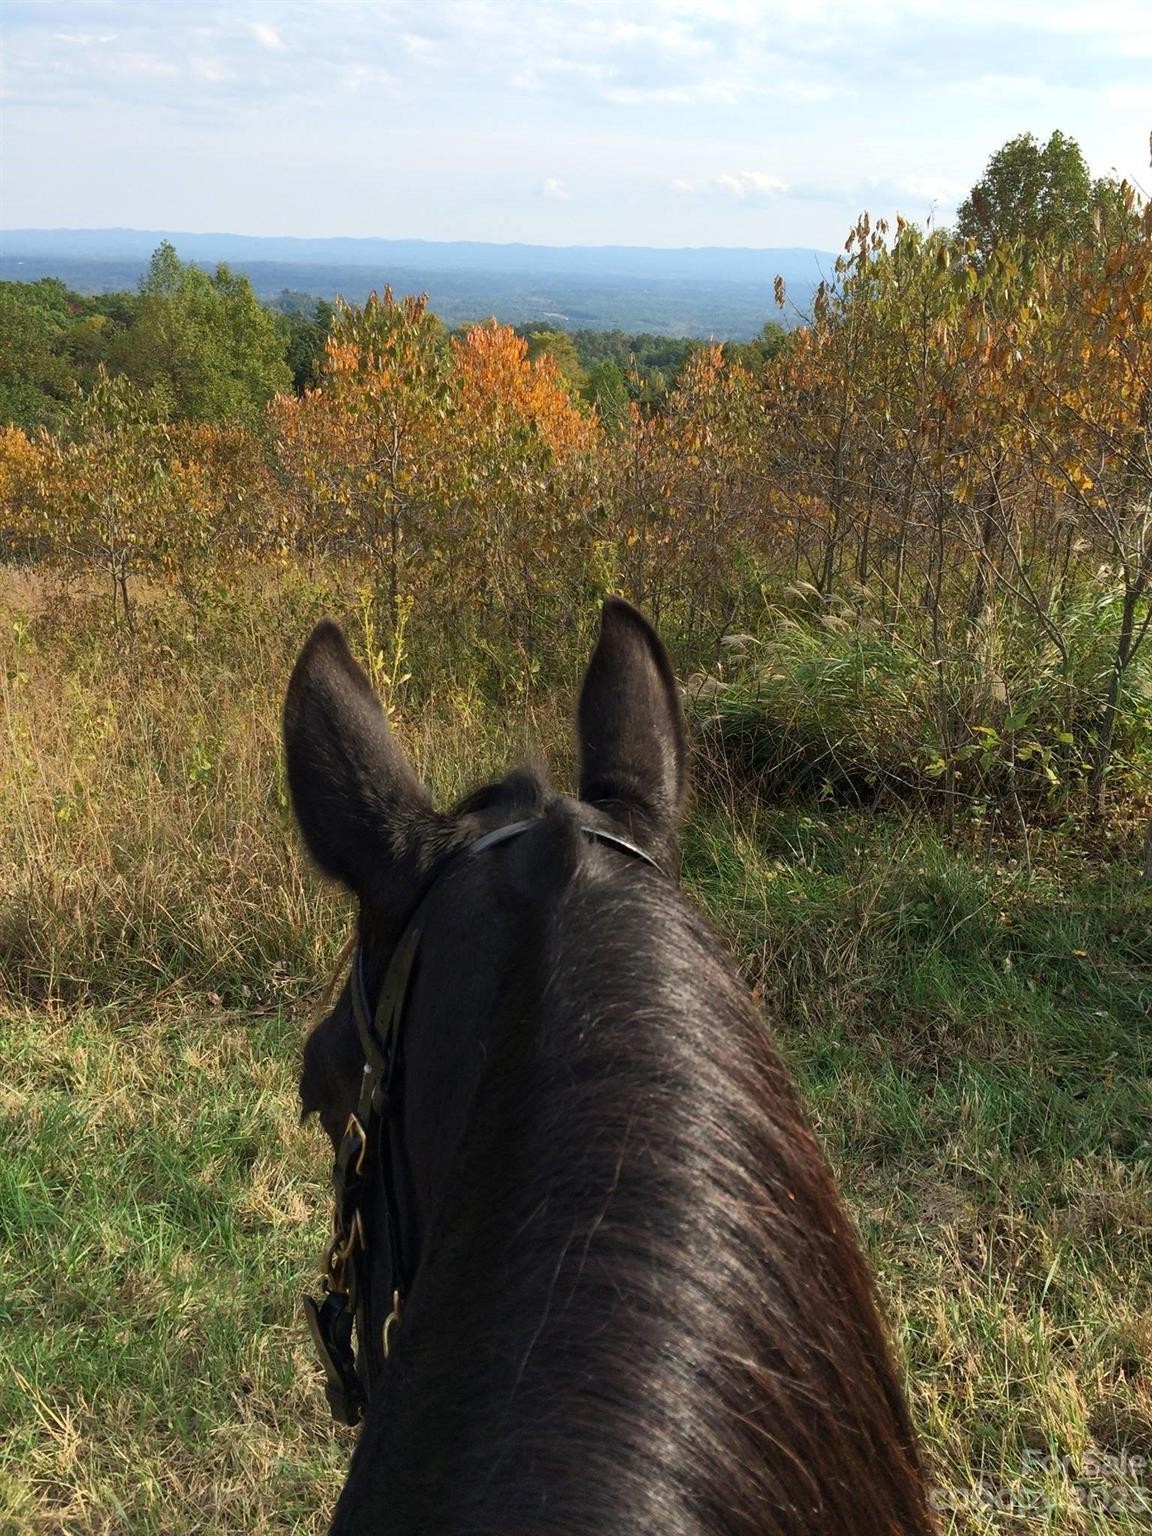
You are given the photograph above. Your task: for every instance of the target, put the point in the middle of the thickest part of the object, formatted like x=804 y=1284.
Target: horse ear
x=633 y=740
x=357 y=801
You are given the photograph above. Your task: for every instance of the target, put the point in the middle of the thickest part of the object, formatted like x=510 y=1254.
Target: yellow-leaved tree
x=103 y=494
x=524 y=468
x=366 y=457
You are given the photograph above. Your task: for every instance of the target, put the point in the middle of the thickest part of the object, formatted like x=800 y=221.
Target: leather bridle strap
x=370 y=1143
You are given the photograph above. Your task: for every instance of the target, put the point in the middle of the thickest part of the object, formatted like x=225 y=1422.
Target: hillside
x=688 y=292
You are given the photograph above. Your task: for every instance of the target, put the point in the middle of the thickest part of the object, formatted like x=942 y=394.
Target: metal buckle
x=391 y=1323
x=355 y=1126
x=339 y=1251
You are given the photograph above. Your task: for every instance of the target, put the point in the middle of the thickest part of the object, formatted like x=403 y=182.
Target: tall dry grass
x=146 y=842
x=970 y=1031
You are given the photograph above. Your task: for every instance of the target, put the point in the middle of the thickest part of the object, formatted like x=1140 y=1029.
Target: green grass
x=160 y=1211
x=971 y=1029
x=856 y=711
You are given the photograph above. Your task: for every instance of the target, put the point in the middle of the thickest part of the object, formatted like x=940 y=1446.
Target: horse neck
x=642 y=1308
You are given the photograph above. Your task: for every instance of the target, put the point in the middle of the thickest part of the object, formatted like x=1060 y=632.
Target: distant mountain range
x=694 y=291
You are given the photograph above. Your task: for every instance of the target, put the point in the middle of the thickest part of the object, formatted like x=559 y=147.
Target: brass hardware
x=353 y=1122
x=340 y=1250
x=391 y=1322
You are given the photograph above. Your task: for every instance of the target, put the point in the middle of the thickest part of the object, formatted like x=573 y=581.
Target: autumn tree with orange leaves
x=523 y=449
x=432 y=460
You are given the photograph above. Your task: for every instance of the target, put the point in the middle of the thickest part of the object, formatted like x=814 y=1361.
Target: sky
x=666 y=122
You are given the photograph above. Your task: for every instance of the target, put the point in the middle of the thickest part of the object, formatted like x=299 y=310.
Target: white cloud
x=932 y=189
x=266 y=36
x=811 y=91
x=1127 y=24
x=364 y=77
x=701 y=92
x=1007 y=87
x=1129 y=98
x=133 y=65
x=745 y=185
x=751 y=184
x=671 y=40
x=665 y=116
x=210 y=70
x=576 y=69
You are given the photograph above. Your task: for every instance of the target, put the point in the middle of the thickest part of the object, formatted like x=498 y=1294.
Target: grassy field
x=971 y=1029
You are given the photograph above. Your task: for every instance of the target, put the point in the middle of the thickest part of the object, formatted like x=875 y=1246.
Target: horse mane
x=643 y=1308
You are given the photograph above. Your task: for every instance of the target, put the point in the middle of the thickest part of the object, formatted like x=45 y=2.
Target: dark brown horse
x=602 y=1279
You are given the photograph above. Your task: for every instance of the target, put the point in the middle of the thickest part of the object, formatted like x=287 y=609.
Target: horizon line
x=132 y=229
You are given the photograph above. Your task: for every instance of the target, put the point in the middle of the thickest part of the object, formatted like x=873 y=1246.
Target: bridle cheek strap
x=370 y=1142
x=330 y=1319
x=366 y=1143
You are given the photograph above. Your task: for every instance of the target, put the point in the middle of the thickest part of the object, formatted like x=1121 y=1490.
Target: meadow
x=904 y=567
x=970 y=1028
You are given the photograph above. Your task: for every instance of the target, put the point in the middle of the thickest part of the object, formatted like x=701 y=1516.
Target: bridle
x=371 y=1149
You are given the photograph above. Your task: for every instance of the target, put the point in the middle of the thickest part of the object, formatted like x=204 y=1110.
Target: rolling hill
x=694 y=291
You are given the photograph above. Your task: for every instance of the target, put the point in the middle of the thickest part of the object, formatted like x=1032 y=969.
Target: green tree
x=1043 y=195
x=649 y=364
x=755 y=355
x=559 y=346
x=36 y=380
x=304 y=325
x=607 y=390
x=203 y=344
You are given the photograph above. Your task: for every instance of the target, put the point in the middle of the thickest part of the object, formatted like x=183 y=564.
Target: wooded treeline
x=206 y=349
x=919 y=532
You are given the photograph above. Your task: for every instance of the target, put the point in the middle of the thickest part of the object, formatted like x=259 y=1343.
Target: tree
x=607 y=390
x=755 y=355
x=304 y=326
x=649 y=364
x=518 y=434
x=559 y=346
x=203 y=344
x=103 y=493
x=365 y=455
x=688 y=491
x=1084 y=396
x=35 y=377
x=1043 y=196
x=457 y=473
x=20 y=460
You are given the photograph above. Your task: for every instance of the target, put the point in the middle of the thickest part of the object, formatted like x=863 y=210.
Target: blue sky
x=671 y=122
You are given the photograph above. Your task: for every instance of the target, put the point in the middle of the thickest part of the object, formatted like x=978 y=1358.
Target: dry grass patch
x=972 y=1035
